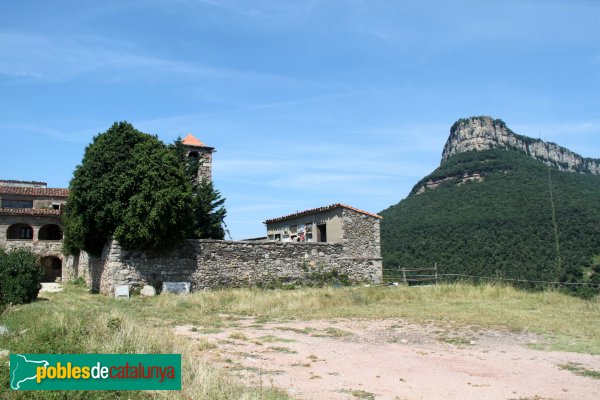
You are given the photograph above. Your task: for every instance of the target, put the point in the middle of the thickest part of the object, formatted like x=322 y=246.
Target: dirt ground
x=393 y=359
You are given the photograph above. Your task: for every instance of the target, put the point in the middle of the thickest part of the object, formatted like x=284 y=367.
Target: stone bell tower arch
x=198 y=150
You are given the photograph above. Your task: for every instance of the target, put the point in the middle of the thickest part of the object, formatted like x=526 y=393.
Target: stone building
x=30 y=218
x=201 y=152
x=325 y=225
x=334 y=239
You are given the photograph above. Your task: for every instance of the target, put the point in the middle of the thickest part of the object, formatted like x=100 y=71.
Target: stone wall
x=216 y=263
x=205 y=167
x=361 y=235
x=42 y=248
x=75 y=266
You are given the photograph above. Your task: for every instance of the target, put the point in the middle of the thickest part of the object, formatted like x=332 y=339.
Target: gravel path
x=392 y=359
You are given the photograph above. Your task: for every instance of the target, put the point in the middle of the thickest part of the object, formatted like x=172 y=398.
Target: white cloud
x=75 y=137
x=62 y=58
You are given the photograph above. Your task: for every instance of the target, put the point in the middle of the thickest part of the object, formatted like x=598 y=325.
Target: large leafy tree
x=129 y=186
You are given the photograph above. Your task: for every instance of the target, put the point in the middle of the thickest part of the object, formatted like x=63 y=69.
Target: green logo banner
x=95 y=371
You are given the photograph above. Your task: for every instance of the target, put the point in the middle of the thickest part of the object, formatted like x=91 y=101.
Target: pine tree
x=208 y=205
x=209 y=211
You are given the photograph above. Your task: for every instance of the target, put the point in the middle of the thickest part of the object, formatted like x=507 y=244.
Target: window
x=25 y=232
x=17 y=203
x=309 y=232
x=19 y=232
x=50 y=232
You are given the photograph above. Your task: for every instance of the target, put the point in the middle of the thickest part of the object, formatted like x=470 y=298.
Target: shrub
x=20 y=277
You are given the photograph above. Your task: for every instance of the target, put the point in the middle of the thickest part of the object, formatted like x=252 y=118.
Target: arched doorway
x=52 y=267
x=19 y=232
x=50 y=232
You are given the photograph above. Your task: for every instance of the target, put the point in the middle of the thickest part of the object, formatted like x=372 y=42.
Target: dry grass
x=568 y=322
x=75 y=321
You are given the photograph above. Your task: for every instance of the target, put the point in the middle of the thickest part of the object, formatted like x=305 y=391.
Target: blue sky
x=307 y=102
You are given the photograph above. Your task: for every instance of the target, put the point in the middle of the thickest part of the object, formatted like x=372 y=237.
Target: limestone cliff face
x=484 y=133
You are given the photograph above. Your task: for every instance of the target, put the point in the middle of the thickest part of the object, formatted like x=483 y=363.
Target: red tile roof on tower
x=191 y=140
x=318 y=210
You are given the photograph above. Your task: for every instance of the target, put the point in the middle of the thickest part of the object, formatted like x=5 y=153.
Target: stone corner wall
x=362 y=245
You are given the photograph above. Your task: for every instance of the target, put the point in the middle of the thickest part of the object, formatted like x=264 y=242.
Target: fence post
x=436 y=275
x=404 y=276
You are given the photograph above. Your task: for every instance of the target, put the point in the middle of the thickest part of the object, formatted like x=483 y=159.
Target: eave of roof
x=319 y=210
x=33 y=191
x=29 y=211
x=15 y=182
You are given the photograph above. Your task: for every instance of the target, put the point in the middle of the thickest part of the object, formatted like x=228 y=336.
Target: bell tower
x=203 y=153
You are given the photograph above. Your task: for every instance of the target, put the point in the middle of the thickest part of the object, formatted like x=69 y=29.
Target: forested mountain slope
x=498 y=213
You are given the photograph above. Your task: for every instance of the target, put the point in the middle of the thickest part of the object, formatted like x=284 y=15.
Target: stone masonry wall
x=42 y=248
x=215 y=263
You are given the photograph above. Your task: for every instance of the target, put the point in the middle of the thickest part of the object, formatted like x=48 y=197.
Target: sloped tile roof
x=11 y=182
x=33 y=191
x=319 y=210
x=191 y=140
x=28 y=211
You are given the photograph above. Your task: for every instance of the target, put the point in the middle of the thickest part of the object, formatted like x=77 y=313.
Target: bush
x=20 y=277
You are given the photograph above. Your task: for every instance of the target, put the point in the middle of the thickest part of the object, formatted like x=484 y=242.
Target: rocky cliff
x=484 y=133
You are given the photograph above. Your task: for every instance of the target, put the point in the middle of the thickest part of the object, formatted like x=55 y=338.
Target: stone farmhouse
x=330 y=224
x=337 y=238
x=30 y=218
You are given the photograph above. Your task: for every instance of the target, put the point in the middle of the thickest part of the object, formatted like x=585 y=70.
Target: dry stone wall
x=216 y=263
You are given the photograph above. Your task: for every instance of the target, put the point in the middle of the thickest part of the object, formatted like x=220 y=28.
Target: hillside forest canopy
x=523 y=220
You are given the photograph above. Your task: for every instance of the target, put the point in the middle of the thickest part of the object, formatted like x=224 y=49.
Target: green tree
x=209 y=212
x=190 y=164
x=504 y=225
x=20 y=277
x=208 y=205
x=129 y=186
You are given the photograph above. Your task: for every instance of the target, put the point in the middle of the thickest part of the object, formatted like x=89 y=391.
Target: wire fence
x=431 y=276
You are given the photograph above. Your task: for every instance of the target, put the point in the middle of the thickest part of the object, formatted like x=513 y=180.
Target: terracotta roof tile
x=318 y=210
x=190 y=140
x=33 y=191
x=11 y=182
x=28 y=211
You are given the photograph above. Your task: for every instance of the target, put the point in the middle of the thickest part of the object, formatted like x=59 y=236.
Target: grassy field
x=75 y=321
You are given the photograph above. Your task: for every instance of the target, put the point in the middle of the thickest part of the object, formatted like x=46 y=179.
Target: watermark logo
x=95 y=371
